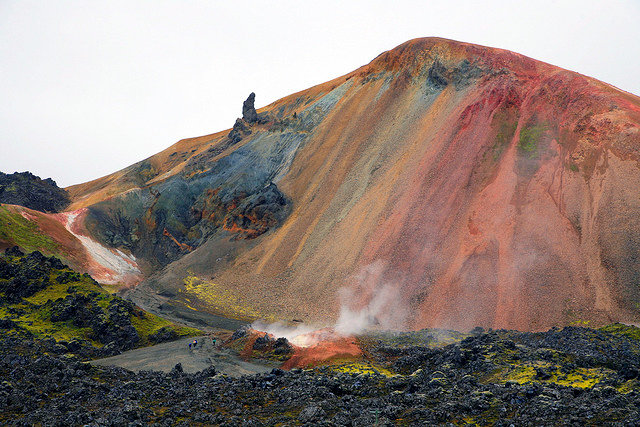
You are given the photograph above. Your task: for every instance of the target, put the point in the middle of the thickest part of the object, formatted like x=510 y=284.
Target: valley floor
x=164 y=357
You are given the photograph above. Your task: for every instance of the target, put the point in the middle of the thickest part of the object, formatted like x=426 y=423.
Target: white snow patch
x=120 y=264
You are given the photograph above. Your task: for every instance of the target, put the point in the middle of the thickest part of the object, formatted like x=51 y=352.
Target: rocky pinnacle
x=249 y=113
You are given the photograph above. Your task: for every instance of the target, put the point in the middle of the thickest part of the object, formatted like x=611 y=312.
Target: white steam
x=299 y=335
x=370 y=303
x=374 y=314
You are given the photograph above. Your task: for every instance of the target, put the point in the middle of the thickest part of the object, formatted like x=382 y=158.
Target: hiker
x=189 y=346
x=195 y=343
x=213 y=341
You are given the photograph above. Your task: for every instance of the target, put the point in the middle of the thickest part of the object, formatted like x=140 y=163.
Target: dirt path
x=163 y=357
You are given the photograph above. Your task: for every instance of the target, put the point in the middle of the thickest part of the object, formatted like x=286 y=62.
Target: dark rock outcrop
x=249 y=113
x=163 y=334
x=239 y=131
x=261 y=343
x=26 y=189
x=240 y=333
x=282 y=346
x=248 y=215
x=68 y=276
x=114 y=326
x=13 y=251
x=437 y=75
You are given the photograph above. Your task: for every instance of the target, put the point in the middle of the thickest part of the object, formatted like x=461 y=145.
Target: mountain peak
x=412 y=56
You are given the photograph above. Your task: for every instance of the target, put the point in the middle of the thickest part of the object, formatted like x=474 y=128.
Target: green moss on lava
x=149 y=324
x=629 y=331
x=629 y=386
x=81 y=284
x=529 y=373
x=34 y=313
x=361 y=367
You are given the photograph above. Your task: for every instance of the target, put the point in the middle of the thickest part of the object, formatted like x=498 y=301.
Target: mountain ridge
x=391 y=59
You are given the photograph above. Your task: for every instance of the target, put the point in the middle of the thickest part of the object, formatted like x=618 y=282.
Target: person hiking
x=189 y=346
x=213 y=341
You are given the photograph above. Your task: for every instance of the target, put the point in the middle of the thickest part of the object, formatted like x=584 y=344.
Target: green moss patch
x=150 y=324
x=364 y=368
x=530 y=137
x=19 y=231
x=629 y=331
x=218 y=299
x=531 y=373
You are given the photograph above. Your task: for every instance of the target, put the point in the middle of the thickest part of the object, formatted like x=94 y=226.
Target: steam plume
x=371 y=302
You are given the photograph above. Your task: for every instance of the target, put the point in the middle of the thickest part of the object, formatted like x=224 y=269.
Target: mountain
x=444 y=184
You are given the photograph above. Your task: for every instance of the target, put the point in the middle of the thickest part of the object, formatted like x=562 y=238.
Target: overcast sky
x=90 y=87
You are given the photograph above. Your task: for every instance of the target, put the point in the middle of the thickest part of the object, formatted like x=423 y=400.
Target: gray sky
x=89 y=87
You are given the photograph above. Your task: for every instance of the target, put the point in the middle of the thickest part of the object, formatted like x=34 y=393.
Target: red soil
x=338 y=348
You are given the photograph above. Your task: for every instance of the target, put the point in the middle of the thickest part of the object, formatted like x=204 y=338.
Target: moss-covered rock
x=43 y=297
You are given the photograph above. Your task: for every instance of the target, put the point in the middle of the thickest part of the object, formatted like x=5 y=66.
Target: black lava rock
x=163 y=334
x=282 y=346
x=41 y=386
x=240 y=333
x=13 y=251
x=68 y=276
x=25 y=275
x=26 y=189
x=239 y=131
x=263 y=342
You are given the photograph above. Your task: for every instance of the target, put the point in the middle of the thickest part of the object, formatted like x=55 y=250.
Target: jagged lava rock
x=26 y=189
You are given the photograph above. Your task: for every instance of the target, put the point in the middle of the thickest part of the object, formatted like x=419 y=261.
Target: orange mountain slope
x=444 y=184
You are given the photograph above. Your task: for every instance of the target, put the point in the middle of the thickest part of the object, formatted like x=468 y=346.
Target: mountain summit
x=444 y=184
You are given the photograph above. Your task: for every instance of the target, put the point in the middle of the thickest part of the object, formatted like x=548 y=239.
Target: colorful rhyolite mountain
x=444 y=184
